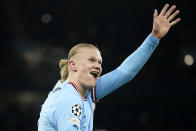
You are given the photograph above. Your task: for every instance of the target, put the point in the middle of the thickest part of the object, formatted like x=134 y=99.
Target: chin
x=87 y=86
x=90 y=86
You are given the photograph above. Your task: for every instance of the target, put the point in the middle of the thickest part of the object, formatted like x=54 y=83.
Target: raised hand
x=164 y=21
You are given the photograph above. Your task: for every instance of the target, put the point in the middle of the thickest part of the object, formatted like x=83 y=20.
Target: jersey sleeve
x=68 y=113
x=128 y=69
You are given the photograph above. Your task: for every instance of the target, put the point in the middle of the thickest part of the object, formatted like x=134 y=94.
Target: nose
x=98 y=67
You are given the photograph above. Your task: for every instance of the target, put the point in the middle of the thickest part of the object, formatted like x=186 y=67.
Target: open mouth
x=94 y=74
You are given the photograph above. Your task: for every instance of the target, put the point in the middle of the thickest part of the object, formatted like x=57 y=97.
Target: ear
x=72 y=66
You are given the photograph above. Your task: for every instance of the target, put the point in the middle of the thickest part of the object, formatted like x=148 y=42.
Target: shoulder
x=67 y=96
x=68 y=102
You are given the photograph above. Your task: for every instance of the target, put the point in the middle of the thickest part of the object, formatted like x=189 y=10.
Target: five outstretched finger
x=171 y=17
x=175 y=22
x=164 y=9
x=170 y=11
x=155 y=14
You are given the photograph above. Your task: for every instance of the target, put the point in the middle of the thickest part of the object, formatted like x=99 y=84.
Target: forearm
x=128 y=69
x=133 y=63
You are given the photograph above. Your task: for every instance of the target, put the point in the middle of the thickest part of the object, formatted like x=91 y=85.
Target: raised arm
x=133 y=63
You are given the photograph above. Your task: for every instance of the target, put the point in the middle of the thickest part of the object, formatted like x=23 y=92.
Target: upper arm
x=110 y=82
x=68 y=114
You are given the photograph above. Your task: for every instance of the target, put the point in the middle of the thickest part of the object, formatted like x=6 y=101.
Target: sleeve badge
x=76 y=110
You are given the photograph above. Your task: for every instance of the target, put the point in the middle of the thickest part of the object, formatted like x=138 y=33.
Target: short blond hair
x=63 y=64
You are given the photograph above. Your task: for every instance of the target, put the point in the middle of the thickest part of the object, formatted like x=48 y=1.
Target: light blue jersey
x=66 y=110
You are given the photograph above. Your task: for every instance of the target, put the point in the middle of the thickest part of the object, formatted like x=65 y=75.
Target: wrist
x=155 y=35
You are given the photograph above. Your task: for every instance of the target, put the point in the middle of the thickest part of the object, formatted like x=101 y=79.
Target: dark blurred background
x=36 y=34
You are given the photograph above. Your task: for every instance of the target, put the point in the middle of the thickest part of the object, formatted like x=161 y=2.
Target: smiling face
x=87 y=65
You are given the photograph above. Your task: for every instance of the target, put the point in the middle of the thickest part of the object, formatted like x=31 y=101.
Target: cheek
x=101 y=71
x=84 y=68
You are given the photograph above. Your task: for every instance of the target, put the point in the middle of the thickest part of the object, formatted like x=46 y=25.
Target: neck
x=82 y=90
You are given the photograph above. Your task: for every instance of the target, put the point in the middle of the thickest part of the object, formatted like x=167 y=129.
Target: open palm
x=164 y=21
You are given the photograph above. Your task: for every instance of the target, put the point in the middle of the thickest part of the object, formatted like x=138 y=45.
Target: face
x=88 y=67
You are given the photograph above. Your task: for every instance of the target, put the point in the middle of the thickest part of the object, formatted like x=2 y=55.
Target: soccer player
x=69 y=106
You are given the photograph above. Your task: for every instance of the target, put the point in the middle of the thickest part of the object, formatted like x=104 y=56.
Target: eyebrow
x=93 y=57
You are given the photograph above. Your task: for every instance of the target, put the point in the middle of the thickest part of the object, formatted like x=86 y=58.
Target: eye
x=100 y=62
x=91 y=59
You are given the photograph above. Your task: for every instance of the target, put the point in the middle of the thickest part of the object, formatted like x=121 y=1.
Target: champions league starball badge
x=76 y=110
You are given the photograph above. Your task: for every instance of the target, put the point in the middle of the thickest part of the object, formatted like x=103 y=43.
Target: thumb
x=155 y=14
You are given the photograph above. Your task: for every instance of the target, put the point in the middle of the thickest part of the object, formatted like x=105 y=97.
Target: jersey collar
x=75 y=86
